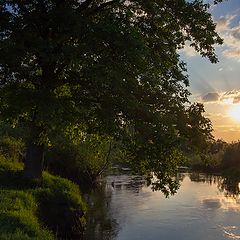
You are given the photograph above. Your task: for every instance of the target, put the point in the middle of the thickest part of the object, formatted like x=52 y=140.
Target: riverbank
x=48 y=210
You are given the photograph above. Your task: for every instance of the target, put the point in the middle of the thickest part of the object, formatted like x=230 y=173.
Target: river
x=205 y=207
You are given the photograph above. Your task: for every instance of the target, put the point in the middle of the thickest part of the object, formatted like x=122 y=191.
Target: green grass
x=18 y=216
x=31 y=210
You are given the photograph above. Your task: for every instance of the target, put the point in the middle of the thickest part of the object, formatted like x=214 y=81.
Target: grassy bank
x=47 y=210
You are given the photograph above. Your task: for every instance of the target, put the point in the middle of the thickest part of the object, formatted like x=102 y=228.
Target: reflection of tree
x=100 y=223
x=230 y=187
x=180 y=176
x=227 y=185
x=205 y=178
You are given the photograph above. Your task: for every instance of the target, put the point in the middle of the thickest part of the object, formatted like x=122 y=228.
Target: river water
x=204 y=208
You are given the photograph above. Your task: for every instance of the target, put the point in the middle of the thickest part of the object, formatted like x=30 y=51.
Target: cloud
x=231 y=36
x=210 y=97
x=229 y=31
x=232 y=53
x=217 y=115
x=224 y=22
x=188 y=50
x=236 y=99
x=236 y=33
x=230 y=97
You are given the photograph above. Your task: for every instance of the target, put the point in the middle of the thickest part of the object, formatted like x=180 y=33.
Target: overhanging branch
x=85 y=5
x=103 y=5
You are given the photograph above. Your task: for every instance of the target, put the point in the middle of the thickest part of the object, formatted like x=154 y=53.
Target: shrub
x=231 y=159
x=11 y=148
x=82 y=160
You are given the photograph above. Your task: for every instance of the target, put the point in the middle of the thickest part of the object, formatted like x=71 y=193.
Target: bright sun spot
x=234 y=113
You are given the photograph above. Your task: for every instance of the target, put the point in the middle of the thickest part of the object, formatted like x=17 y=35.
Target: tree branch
x=106 y=161
x=85 y=4
x=22 y=8
x=103 y=5
x=42 y=6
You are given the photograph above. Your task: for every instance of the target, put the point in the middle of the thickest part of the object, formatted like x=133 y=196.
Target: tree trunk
x=33 y=165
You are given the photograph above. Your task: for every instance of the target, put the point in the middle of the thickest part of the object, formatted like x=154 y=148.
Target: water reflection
x=230 y=187
x=205 y=207
x=231 y=232
x=211 y=203
x=101 y=223
x=227 y=185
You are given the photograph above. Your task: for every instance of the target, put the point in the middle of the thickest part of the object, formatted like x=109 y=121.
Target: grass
x=38 y=211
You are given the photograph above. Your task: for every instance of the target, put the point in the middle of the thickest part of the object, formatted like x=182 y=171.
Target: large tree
x=106 y=67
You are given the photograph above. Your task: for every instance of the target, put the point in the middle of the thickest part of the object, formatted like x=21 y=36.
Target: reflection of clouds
x=222 y=202
x=232 y=232
x=198 y=208
x=211 y=203
x=230 y=204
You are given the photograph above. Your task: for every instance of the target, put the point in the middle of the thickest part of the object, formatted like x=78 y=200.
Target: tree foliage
x=231 y=157
x=106 y=67
x=83 y=160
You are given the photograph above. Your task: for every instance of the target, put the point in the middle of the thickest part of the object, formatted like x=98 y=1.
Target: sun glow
x=234 y=112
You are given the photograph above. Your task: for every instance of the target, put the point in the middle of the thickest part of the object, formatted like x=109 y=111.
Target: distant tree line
x=218 y=156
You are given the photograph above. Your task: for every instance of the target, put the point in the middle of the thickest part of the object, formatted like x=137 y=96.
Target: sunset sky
x=218 y=85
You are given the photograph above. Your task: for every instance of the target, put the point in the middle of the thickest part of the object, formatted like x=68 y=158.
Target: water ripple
x=232 y=232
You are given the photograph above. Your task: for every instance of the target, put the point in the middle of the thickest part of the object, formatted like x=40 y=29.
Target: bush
x=12 y=148
x=231 y=158
x=81 y=161
x=7 y=165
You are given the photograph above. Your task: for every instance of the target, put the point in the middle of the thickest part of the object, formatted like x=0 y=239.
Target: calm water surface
x=204 y=208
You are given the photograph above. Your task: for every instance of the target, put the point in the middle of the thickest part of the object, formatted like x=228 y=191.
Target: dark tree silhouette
x=103 y=66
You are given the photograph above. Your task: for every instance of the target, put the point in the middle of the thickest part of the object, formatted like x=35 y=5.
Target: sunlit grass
x=26 y=208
